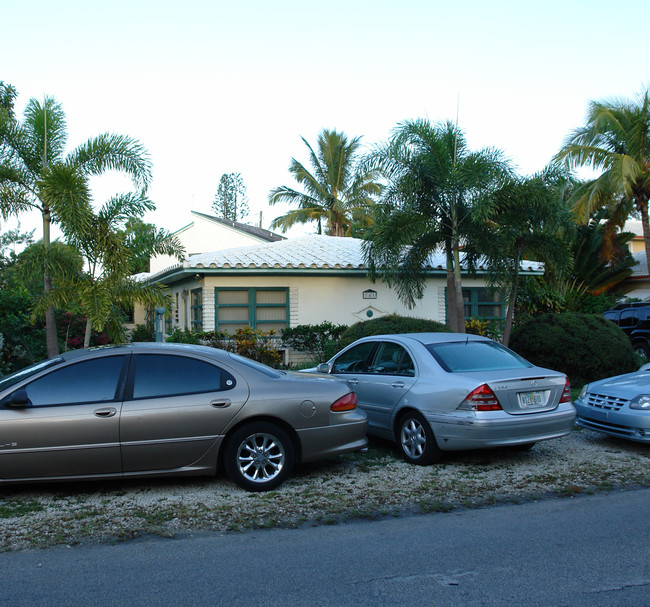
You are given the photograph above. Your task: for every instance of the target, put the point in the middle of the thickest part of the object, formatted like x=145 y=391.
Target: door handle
x=108 y=412
x=221 y=404
x=398 y=384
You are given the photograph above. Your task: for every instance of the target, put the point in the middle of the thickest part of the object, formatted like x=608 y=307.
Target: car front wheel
x=417 y=441
x=259 y=456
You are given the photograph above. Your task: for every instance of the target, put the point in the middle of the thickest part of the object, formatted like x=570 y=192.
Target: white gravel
x=366 y=485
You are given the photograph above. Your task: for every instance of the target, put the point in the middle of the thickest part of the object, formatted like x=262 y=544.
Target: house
x=307 y=280
x=636 y=244
x=637 y=286
x=207 y=233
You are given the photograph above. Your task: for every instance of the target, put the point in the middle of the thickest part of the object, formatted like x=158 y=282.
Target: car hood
x=624 y=386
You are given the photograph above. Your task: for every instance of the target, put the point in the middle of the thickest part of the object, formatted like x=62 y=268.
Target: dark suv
x=634 y=319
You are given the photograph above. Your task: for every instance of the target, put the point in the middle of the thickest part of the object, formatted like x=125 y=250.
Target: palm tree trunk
x=458 y=285
x=512 y=300
x=642 y=206
x=89 y=327
x=452 y=310
x=50 y=320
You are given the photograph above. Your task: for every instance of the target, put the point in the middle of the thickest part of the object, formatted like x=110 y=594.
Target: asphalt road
x=589 y=550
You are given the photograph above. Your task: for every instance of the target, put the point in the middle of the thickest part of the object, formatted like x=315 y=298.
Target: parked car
x=167 y=409
x=434 y=392
x=618 y=406
x=634 y=320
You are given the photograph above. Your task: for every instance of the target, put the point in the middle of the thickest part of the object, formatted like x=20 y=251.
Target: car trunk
x=521 y=392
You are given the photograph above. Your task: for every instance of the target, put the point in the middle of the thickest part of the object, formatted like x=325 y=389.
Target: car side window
x=354 y=360
x=629 y=318
x=393 y=359
x=88 y=381
x=160 y=375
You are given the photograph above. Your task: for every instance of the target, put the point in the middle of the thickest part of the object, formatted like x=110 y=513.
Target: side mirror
x=323 y=368
x=17 y=400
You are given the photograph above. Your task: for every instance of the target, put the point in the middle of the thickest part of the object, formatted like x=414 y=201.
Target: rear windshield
x=253 y=364
x=469 y=356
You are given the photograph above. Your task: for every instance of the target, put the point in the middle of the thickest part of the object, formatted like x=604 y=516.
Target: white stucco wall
x=337 y=299
x=204 y=235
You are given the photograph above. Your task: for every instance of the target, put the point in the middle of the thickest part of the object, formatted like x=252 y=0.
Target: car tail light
x=566 y=394
x=346 y=403
x=481 y=399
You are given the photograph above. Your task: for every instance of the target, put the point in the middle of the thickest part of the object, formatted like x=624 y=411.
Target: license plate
x=531 y=399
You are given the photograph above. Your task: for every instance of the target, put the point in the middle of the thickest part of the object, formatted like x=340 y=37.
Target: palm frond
x=116 y=153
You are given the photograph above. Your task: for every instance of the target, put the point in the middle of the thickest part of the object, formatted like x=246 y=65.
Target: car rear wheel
x=259 y=456
x=642 y=349
x=417 y=440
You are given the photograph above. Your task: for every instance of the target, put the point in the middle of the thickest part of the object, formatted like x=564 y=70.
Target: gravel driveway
x=362 y=485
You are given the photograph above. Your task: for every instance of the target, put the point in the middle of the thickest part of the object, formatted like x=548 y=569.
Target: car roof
x=429 y=338
x=143 y=346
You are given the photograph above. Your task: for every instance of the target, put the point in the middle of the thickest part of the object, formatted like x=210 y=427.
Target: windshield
x=469 y=356
x=18 y=376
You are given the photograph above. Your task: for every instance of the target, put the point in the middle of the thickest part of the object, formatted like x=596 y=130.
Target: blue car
x=618 y=406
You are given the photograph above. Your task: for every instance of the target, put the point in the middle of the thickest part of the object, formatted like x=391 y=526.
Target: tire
x=258 y=456
x=416 y=439
x=642 y=349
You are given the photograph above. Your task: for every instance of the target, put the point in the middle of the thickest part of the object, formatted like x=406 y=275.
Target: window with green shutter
x=258 y=308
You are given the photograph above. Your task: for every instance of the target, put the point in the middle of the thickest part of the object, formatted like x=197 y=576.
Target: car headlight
x=584 y=391
x=641 y=402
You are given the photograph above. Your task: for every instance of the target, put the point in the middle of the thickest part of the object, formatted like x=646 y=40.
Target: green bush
x=391 y=324
x=183 y=336
x=21 y=342
x=584 y=346
x=251 y=343
x=321 y=342
x=142 y=333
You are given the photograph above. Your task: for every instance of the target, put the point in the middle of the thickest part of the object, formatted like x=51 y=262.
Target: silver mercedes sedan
x=435 y=392
x=169 y=409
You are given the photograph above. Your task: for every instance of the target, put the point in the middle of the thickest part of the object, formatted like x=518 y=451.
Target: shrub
x=257 y=345
x=391 y=324
x=21 y=342
x=71 y=329
x=321 y=342
x=183 y=336
x=251 y=343
x=142 y=333
x=584 y=346
x=488 y=328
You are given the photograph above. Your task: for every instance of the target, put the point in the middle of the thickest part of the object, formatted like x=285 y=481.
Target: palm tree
x=526 y=218
x=337 y=191
x=105 y=289
x=615 y=141
x=434 y=181
x=144 y=240
x=36 y=174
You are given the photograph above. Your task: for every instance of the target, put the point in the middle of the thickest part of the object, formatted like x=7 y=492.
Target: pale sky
x=212 y=87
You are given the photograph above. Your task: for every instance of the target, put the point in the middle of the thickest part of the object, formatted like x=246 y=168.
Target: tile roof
x=305 y=253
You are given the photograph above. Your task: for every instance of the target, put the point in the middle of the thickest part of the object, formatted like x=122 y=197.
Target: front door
x=390 y=377
x=70 y=426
